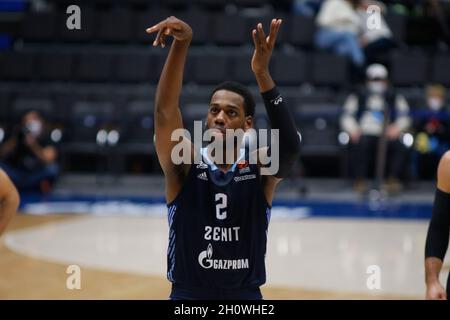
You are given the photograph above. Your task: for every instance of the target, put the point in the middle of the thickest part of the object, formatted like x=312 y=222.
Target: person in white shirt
x=339 y=26
x=363 y=119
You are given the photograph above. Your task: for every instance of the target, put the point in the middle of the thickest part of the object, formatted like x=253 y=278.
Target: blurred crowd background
x=81 y=101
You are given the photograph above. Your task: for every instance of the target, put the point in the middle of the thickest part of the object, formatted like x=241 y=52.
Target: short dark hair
x=240 y=89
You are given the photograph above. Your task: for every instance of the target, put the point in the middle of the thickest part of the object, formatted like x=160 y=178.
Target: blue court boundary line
x=316 y=208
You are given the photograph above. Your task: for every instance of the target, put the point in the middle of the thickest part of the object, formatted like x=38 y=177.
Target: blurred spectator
x=376 y=42
x=306 y=7
x=338 y=30
x=29 y=157
x=363 y=119
x=432 y=133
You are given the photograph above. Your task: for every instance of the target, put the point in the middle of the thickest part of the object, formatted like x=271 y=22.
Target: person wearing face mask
x=367 y=115
x=432 y=133
x=29 y=157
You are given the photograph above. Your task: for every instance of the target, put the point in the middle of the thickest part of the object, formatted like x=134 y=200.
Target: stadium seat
x=210 y=68
x=21 y=105
x=95 y=67
x=409 y=69
x=115 y=26
x=302 y=31
x=133 y=67
x=138 y=128
x=229 y=30
x=289 y=68
x=5 y=98
x=397 y=24
x=39 y=26
x=329 y=70
x=242 y=69
x=55 y=66
x=319 y=127
x=17 y=65
x=440 y=72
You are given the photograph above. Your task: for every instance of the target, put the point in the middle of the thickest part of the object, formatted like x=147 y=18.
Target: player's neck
x=226 y=162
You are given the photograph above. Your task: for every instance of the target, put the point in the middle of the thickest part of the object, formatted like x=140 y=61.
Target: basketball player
x=438 y=234
x=219 y=213
x=9 y=200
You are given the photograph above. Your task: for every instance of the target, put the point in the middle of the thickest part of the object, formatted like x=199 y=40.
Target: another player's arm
x=9 y=200
x=167 y=112
x=277 y=111
x=438 y=232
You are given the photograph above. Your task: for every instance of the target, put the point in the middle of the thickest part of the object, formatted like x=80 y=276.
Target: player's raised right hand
x=171 y=26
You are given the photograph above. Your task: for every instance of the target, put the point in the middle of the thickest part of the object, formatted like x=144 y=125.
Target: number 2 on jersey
x=221 y=203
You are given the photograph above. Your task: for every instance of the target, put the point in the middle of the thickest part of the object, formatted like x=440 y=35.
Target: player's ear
x=248 y=122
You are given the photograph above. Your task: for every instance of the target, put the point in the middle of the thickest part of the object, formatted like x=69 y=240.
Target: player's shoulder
x=444 y=171
x=7 y=188
x=445 y=161
x=4 y=179
x=446 y=157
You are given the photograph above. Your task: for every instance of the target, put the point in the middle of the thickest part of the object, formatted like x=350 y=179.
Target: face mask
x=34 y=127
x=377 y=87
x=435 y=104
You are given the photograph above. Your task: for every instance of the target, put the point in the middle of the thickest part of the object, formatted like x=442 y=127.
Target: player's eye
x=232 y=113
x=214 y=110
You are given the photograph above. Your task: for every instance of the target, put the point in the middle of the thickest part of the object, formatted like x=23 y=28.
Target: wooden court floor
x=23 y=277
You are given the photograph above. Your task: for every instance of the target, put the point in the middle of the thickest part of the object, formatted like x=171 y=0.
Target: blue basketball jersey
x=218 y=228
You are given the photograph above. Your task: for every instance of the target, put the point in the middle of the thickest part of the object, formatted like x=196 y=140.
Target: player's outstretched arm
x=438 y=236
x=9 y=200
x=167 y=113
x=279 y=115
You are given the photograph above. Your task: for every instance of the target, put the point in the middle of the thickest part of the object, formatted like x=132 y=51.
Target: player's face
x=226 y=111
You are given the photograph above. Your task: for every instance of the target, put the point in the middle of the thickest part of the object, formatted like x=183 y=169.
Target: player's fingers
x=274 y=28
x=261 y=34
x=163 y=39
x=156 y=27
x=273 y=24
x=255 y=38
x=158 y=37
x=152 y=29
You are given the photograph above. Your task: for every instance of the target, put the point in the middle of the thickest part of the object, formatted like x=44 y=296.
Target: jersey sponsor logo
x=277 y=100
x=205 y=261
x=202 y=165
x=242 y=164
x=202 y=176
x=246 y=177
x=244 y=170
